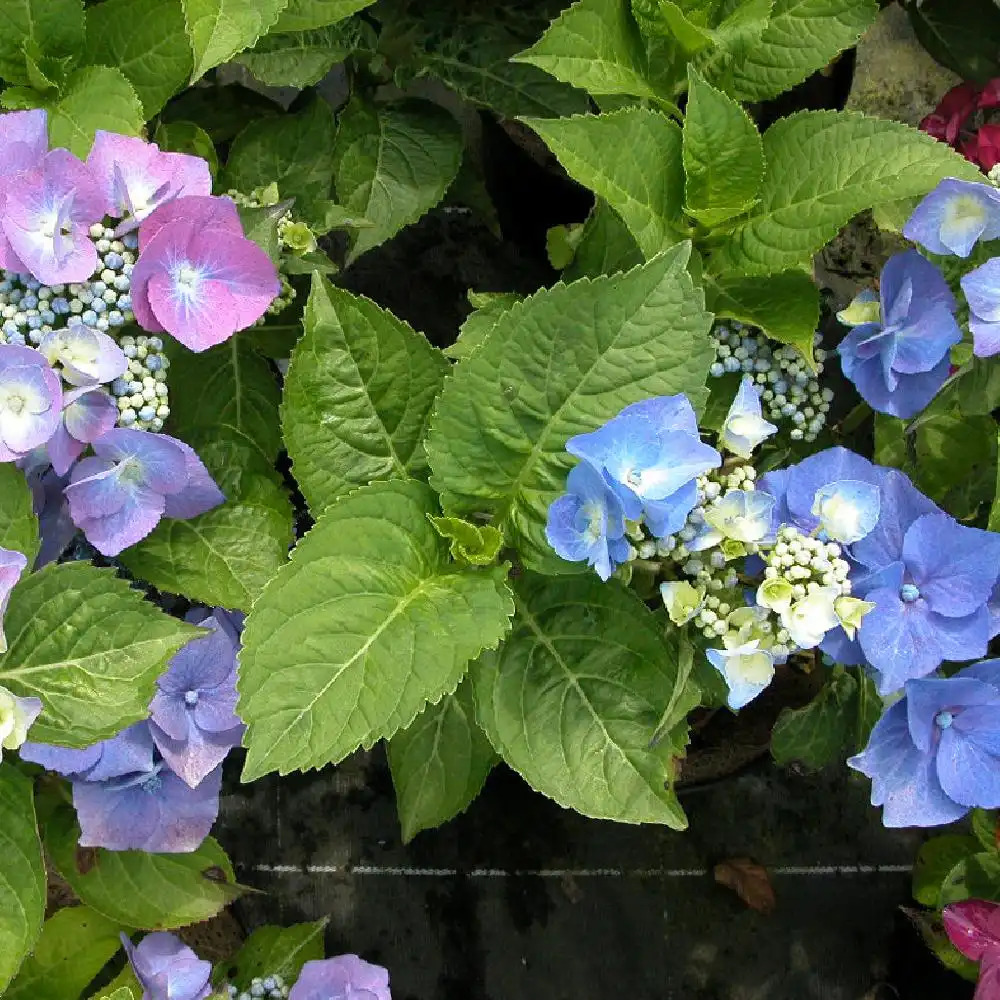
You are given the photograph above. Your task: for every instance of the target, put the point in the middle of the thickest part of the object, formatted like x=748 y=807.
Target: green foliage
x=314 y=685
x=956 y=461
x=960 y=35
x=357 y=397
x=52 y=29
x=605 y=247
x=572 y=699
x=186 y=137
x=90 y=647
x=300 y=58
x=439 y=762
x=18 y=524
x=558 y=363
x=479 y=324
x=822 y=168
x=935 y=863
x=218 y=29
x=723 y=155
x=145 y=39
x=22 y=888
x=150 y=892
x=392 y=163
x=305 y=15
x=290 y=150
x=280 y=951
x=75 y=944
x=478 y=545
x=645 y=187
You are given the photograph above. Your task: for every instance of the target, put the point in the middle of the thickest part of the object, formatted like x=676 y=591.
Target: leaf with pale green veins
x=723 y=154
x=294 y=151
x=218 y=29
x=96 y=97
x=822 y=169
x=573 y=697
x=605 y=247
x=75 y=944
x=276 y=951
x=136 y=889
x=145 y=40
x=367 y=623
x=304 y=15
x=439 y=763
x=22 y=879
x=594 y=45
x=18 y=524
x=479 y=323
x=358 y=396
x=646 y=188
x=935 y=861
x=90 y=646
x=300 y=58
x=52 y=28
x=560 y=363
x=392 y=163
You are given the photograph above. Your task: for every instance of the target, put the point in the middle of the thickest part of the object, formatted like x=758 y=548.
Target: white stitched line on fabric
x=795 y=870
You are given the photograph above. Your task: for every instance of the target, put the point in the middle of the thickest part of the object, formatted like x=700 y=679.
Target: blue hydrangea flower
x=954 y=216
x=167 y=969
x=345 y=977
x=935 y=754
x=898 y=364
x=847 y=510
x=587 y=524
x=746 y=668
x=745 y=427
x=193 y=713
x=130 y=751
x=651 y=454
x=982 y=290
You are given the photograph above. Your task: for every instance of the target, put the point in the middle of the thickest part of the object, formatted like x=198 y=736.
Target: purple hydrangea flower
x=129 y=752
x=898 y=364
x=30 y=401
x=12 y=565
x=86 y=357
x=137 y=477
x=55 y=526
x=198 y=277
x=982 y=290
x=651 y=454
x=193 y=714
x=47 y=217
x=345 y=977
x=587 y=524
x=935 y=754
x=135 y=177
x=87 y=415
x=167 y=969
x=954 y=216
x=24 y=139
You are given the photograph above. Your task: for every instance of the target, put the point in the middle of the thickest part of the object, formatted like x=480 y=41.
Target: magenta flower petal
x=972 y=925
x=47 y=217
x=205 y=212
x=30 y=401
x=200 y=494
x=135 y=177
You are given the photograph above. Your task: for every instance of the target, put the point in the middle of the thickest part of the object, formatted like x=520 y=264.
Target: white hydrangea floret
x=847 y=510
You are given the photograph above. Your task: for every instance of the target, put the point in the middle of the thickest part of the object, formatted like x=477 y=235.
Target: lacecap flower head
x=954 y=217
x=345 y=977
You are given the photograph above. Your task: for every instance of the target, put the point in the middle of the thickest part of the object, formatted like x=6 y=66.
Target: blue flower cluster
x=898 y=351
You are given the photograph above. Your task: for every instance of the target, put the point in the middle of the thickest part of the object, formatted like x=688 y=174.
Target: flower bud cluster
x=789 y=392
x=261 y=988
x=141 y=393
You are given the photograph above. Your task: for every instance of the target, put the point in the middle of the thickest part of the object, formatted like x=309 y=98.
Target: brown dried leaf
x=749 y=881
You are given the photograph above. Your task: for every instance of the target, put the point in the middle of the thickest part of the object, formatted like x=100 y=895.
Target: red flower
x=946 y=120
x=990 y=97
x=984 y=147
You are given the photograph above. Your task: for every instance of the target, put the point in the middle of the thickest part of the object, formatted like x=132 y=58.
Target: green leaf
x=123 y=993
x=594 y=45
x=956 y=461
x=572 y=699
x=299 y=59
x=145 y=40
x=560 y=363
x=276 y=951
x=315 y=685
x=96 y=97
x=293 y=151
x=18 y=524
x=439 y=763
x=646 y=187
x=784 y=305
x=47 y=27
x=479 y=324
x=606 y=246
x=890 y=442
x=723 y=155
x=90 y=647
x=218 y=29
x=961 y=36
x=186 y=137
x=816 y=734
x=358 y=396
x=985 y=828
x=476 y=544
x=801 y=37
x=222 y=111
x=935 y=860
x=150 y=892
x=23 y=885
x=304 y=15
x=75 y=944
x=822 y=168
x=392 y=163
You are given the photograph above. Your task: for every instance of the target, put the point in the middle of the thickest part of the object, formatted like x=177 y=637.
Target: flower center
x=151 y=785
x=908 y=593
x=187 y=278
x=633 y=478
x=944 y=719
x=191 y=698
x=15 y=403
x=130 y=471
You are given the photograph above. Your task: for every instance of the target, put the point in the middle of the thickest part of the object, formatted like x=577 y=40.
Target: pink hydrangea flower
x=973 y=927
x=30 y=401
